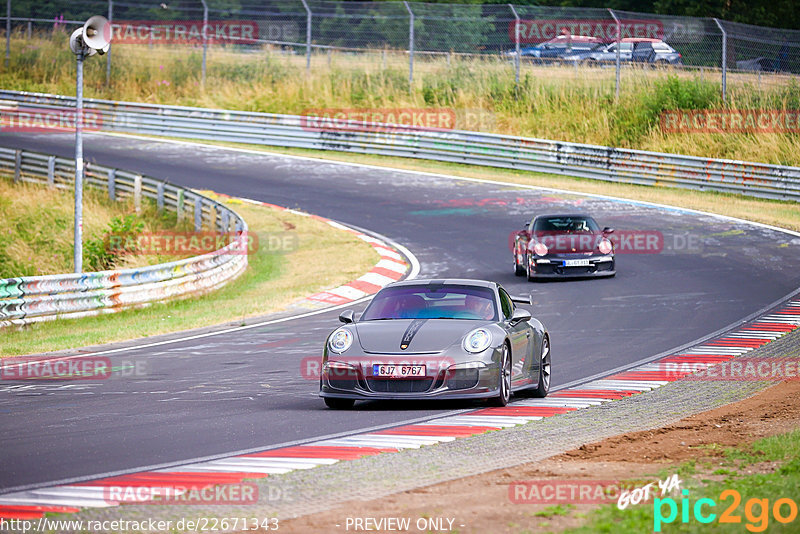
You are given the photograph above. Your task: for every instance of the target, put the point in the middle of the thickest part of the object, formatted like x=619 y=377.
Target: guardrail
x=31 y=299
x=493 y=150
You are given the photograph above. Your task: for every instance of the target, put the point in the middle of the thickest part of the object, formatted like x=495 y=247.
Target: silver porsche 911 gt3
x=457 y=339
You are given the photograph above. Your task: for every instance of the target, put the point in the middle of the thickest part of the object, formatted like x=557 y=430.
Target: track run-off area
x=207 y=397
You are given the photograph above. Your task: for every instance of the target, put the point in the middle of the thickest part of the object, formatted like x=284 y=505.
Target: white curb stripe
x=348 y=292
x=392 y=265
x=377 y=279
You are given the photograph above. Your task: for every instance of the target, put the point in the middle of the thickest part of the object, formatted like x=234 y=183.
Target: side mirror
x=520 y=315
x=608 y=230
x=347 y=317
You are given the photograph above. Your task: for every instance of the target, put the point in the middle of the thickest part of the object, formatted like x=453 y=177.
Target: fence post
x=108 y=53
x=30 y=29
x=179 y=205
x=724 y=59
x=308 y=35
x=17 y=165
x=410 y=46
x=198 y=214
x=137 y=192
x=160 y=196
x=516 y=45
x=225 y=223
x=112 y=185
x=205 y=40
x=8 y=31
x=51 y=171
x=619 y=45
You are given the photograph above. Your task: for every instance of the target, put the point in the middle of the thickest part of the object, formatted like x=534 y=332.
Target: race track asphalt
x=245 y=389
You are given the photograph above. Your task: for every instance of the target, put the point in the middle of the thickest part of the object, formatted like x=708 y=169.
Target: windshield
x=432 y=302
x=566 y=224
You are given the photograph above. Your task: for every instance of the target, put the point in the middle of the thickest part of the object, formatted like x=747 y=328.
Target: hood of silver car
x=403 y=336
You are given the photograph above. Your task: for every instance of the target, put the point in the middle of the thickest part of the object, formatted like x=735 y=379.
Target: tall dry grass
x=36 y=237
x=564 y=103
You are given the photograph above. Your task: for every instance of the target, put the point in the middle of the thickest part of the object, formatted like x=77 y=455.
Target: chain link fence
x=592 y=42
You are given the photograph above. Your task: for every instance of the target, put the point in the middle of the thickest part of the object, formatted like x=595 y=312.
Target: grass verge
x=749 y=487
x=37 y=234
x=278 y=273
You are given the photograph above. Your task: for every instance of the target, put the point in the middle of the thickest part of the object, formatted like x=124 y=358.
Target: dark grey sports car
x=456 y=339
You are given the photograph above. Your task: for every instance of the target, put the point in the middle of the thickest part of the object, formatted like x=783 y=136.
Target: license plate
x=397 y=370
x=576 y=263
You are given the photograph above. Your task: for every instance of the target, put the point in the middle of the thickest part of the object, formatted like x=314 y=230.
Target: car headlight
x=478 y=340
x=605 y=246
x=340 y=340
x=540 y=249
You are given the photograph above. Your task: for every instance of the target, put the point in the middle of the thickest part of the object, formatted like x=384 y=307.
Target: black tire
x=528 y=270
x=505 y=379
x=518 y=270
x=543 y=388
x=339 y=404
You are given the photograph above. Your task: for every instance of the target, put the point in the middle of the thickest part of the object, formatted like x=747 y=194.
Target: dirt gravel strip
x=293 y=490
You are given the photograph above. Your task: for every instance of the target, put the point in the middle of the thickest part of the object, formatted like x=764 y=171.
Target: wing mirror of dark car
x=608 y=230
x=520 y=315
x=347 y=317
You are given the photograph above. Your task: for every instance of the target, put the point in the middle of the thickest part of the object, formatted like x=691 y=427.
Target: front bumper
x=444 y=382
x=555 y=267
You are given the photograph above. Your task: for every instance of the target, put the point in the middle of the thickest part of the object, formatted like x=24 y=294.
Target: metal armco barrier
x=38 y=298
x=475 y=148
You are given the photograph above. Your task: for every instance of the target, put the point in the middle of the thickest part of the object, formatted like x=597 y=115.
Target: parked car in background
x=630 y=50
x=654 y=51
x=554 y=50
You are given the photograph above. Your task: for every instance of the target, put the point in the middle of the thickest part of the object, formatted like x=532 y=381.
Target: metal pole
x=78 y=243
x=308 y=36
x=619 y=45
x=516 y=43
x=410 y=46
x=8 y=32
x=205 y=40
x=108 y=54
x=724 y=59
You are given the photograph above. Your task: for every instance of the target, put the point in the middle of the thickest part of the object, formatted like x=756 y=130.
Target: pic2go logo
x=756 y=511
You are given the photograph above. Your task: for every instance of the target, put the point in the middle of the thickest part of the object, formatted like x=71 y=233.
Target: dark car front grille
x=394 y=385
x=576 y=270
x=462 y=379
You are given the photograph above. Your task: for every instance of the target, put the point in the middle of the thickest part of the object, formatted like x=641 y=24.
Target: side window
x=506 y=304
